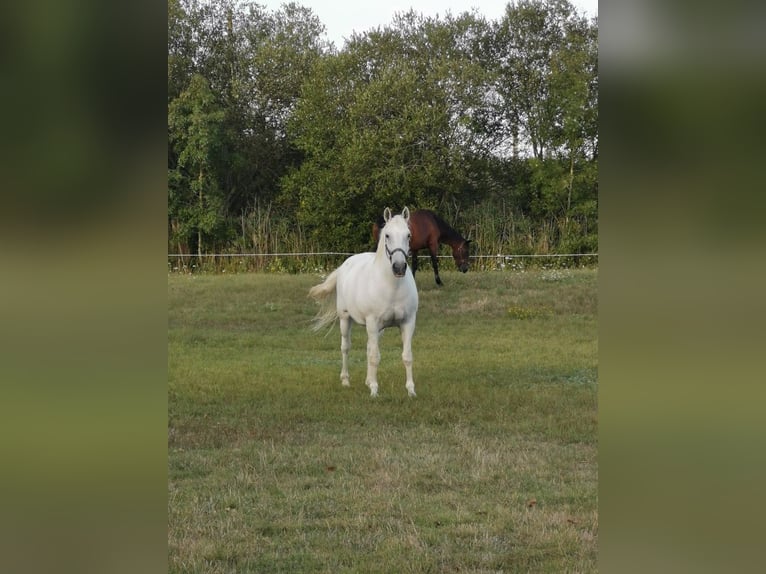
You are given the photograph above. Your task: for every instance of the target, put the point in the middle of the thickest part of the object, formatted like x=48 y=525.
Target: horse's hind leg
x=414 y=262
x=345 y=345
x=373 y=357
x=408 y=329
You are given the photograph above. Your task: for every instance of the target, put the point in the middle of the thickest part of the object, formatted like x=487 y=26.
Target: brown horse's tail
x=322 y=293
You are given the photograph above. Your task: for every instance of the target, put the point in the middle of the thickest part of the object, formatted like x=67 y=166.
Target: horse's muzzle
x=400 y=268
x=399 y=265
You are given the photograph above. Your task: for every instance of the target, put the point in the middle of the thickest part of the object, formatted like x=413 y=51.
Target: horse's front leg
x=435 y=264
x=414 y=262
x=345 y=345
x=408 y=329
x=373 y=357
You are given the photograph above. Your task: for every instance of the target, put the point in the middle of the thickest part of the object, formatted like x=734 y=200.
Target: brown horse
x=428 y=230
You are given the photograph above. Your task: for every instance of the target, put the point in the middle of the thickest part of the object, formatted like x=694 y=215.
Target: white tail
x=322 y=293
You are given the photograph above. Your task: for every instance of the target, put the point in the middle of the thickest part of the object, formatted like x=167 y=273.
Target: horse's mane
x=445 y=229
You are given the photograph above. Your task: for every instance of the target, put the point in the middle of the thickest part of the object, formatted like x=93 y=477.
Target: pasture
x=276 y=467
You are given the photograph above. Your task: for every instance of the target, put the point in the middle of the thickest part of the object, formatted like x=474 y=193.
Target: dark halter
x=390 y=254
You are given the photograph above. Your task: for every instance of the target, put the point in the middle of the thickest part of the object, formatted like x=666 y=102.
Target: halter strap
x=390 y=253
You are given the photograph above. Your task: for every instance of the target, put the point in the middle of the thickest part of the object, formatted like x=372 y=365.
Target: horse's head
x=396 y=240
x=461 y=253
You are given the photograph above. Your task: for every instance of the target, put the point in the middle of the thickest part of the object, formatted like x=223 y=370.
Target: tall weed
x=501 y=238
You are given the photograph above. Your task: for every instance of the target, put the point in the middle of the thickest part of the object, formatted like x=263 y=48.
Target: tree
x=540 y=48
x=254 y=63
x=546 y=75
x=181 y=47
x=195 y=126
x=390 y=121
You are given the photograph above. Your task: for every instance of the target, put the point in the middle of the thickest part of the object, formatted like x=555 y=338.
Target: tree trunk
x=571 y=181
x=199 y=227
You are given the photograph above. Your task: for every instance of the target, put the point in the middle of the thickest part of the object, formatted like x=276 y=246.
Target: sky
x=343 y=17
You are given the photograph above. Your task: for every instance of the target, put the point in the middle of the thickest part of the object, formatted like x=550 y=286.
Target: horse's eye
x=387 y=236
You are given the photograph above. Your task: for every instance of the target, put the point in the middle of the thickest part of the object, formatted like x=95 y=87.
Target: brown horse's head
x=460 y=251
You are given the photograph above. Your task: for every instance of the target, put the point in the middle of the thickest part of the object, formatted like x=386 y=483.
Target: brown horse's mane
x=448 y=234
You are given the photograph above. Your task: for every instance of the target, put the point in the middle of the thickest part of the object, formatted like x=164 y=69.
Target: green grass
x=275 y=467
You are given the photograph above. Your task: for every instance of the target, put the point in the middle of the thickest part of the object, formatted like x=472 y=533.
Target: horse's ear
x=386 y=214
x=406 y=214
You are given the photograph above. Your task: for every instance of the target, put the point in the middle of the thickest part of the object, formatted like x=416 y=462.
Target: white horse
x=376 y=290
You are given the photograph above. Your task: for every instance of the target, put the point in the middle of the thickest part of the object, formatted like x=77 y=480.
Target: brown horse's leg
x=435 y=263
x=414 y=262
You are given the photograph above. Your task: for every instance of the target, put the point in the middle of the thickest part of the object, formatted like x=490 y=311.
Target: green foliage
x=546 y=75
x=195 y=125
x=443 y=113
x=252 y=64
x=378 y=159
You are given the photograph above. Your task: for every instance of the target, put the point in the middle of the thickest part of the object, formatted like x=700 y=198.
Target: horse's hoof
x=439 y=282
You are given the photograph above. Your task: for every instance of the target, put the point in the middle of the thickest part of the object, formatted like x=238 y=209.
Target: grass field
x=275 y=467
